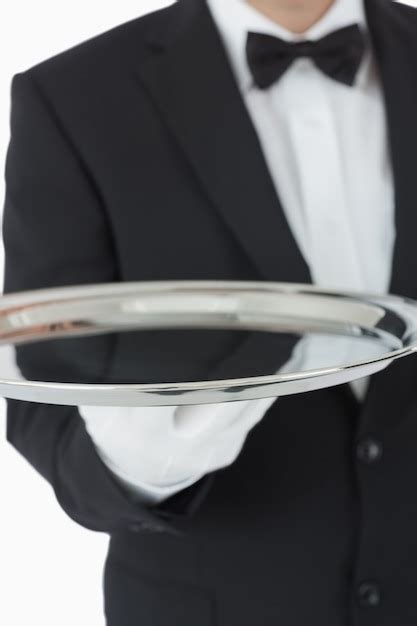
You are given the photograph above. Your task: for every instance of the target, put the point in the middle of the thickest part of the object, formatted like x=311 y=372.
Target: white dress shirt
x=326 y=148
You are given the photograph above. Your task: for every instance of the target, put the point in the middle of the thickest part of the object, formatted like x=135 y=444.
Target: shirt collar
x=234 y=18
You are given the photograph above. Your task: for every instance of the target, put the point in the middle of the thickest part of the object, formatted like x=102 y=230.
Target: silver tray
x=379 y=328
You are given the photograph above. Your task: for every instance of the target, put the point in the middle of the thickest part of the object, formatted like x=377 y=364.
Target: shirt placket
x=330 y=242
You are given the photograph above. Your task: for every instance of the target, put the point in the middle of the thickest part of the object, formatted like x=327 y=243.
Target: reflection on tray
x=180 y=355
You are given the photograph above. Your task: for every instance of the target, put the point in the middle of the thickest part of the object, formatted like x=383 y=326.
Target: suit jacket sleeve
x=56 y=232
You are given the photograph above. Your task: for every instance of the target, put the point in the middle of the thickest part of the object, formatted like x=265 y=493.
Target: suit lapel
x=395 y=44
x=192 y=85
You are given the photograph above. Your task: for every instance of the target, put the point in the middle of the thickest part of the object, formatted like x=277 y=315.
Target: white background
x=50 y=568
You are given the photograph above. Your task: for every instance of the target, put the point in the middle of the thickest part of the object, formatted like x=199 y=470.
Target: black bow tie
x=338 y=55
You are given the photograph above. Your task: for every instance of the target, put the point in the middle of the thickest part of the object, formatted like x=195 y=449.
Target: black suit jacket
x=132 y=157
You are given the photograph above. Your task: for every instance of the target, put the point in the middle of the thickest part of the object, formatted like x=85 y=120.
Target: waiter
x=231 y=140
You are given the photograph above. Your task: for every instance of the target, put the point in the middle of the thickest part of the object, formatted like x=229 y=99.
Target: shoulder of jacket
x=106 y=50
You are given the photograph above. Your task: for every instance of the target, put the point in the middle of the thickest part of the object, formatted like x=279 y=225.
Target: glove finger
x=206 y=419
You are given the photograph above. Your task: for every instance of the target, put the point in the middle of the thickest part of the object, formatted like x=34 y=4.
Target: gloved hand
x=157 y=451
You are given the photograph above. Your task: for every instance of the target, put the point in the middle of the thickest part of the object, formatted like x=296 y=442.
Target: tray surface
x=194 y=342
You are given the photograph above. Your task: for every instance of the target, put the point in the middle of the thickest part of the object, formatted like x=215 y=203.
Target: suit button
x=369 y=450
x=369 y=594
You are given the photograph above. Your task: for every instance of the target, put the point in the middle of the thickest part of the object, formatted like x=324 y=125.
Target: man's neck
x=294 y=15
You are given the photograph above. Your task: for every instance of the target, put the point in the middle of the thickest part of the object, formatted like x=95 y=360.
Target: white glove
x=157 y=451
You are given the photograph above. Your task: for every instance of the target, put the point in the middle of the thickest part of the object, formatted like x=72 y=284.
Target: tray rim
x=155 y=393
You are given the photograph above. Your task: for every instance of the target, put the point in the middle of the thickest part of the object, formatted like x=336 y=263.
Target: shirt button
x=369 y=594
x=369 y=450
